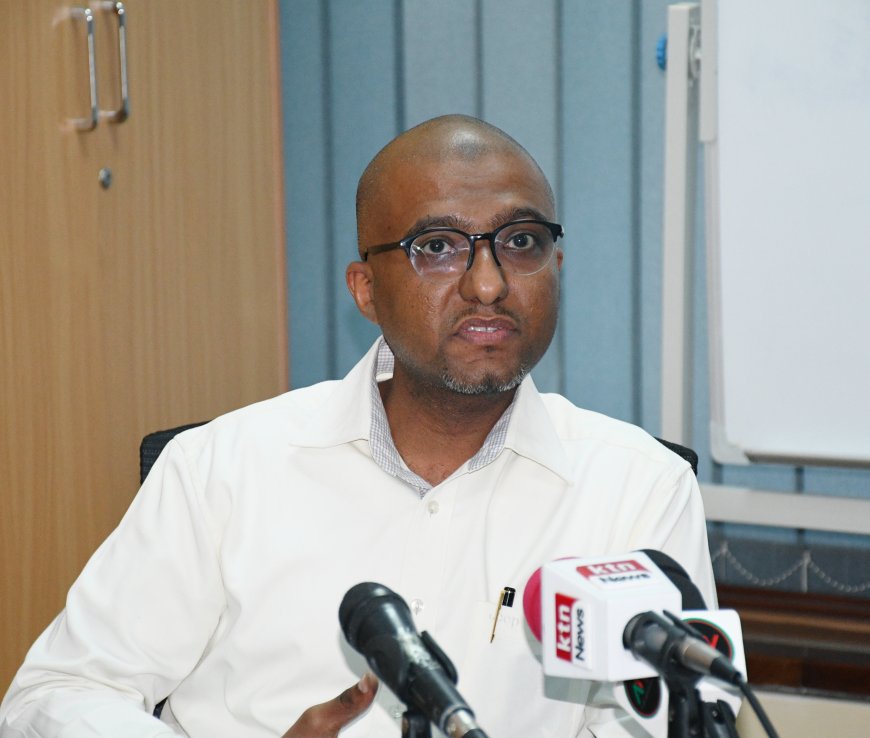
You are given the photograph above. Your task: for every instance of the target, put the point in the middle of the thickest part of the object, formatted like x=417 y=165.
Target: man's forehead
x=449 y=141
x=474 y=191
x=480 y=174
x=448 y=166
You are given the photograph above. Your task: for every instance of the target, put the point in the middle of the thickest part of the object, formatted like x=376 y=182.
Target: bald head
x=437 y=140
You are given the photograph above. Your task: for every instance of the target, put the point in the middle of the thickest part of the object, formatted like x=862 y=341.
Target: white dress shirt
x=221 y=585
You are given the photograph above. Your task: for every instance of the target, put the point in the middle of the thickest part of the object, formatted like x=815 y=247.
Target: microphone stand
x=689 y=716
x=718 y=720
x=415 y=724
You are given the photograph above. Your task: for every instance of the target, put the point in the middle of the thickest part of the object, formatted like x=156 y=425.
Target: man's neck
x=436 y=430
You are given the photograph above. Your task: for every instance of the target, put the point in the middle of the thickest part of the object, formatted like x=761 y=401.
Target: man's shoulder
x=322 y=415
x=266 y=418
x=295 y=404
x=574 y=422
x=596 y=432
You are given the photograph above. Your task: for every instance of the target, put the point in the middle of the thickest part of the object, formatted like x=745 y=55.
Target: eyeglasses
x=521 y=247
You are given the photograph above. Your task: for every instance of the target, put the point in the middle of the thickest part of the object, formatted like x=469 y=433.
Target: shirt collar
x=353 y=410
x=384 y=451
x=339 y=412
x=531 y=432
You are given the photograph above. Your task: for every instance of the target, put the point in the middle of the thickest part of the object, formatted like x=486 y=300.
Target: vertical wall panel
x=651 y=133
x=599 y=160
x=520 y=74
x=439 y=49
x=309 y=219
x=365 y=114
x=520 y=94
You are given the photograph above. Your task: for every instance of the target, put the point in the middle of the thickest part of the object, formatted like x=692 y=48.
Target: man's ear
x=360 y=282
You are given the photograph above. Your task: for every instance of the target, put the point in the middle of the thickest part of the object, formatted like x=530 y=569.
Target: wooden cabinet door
x=155 y=301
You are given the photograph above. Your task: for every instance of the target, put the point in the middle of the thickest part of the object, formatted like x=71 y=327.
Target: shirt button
x=416 y=606
x=397 y=711
x=433 y=507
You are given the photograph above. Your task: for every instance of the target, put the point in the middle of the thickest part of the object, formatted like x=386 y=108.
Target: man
x=435 y=467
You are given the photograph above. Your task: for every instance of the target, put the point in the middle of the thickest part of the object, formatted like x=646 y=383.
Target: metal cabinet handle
x=123 y=111
x=90 y=122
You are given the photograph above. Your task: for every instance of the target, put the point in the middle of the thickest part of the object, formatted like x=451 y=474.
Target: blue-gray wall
x=575 y=82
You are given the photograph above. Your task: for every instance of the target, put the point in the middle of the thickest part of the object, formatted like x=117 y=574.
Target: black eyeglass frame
x=555 y=229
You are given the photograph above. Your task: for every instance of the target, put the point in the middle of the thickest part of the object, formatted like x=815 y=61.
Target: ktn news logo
x=570 y=615
x=570 y=629
x=615 y=572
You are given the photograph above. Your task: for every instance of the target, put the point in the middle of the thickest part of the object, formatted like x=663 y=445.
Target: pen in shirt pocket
x=506 y=599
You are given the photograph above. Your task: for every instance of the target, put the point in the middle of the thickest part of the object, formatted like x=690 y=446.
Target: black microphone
x=377 y=623
x=668 y=643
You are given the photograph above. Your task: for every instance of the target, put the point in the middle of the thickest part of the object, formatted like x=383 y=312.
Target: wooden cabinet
x=152 y=302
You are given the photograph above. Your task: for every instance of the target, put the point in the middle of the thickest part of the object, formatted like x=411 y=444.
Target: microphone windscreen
x=362 y=605
x=532 y=603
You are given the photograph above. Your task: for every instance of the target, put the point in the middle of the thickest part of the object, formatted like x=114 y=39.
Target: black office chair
x=154 y=443
x=683 y=451
x=149 y=450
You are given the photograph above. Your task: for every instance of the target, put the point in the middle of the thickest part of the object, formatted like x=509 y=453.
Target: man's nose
x=485 y=281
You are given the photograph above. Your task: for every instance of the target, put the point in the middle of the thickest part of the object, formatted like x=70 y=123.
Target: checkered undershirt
x=384 y=451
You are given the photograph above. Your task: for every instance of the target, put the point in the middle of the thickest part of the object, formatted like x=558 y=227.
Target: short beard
x=489 y=385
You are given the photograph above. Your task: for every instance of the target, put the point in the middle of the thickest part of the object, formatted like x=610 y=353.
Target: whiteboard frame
x=721 y=449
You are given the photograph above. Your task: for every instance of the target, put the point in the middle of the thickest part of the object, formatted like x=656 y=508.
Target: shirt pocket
x=504 y=683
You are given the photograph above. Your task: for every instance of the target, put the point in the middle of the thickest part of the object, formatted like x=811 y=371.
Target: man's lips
x=486 y=330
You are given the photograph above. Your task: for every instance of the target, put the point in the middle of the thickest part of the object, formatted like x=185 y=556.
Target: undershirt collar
x=384 y=450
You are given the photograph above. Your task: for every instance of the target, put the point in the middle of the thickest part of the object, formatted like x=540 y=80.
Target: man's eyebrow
x=438 y=221
x=511 y=214
x=454 y=221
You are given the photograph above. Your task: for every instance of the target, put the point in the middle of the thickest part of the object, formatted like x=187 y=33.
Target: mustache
x=491 y=311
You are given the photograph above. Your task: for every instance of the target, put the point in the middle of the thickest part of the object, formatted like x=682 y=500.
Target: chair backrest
x=153 y=444
x=149 y=450
x=683 y=451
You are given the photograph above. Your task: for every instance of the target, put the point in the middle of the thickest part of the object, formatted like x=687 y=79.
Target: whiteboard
x=788 y=216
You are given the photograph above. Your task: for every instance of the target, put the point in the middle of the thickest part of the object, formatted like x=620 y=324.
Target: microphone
x=612 y=593
x=579 y=608
x=377 y=623
x=663 y=643
x=599 y=618
x=670 y=645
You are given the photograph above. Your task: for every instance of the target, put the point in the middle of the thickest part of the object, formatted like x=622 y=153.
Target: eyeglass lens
x=521 y=248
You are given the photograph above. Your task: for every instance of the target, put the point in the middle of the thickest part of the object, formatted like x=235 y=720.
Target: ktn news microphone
x=378 y=624
x=600 y=619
